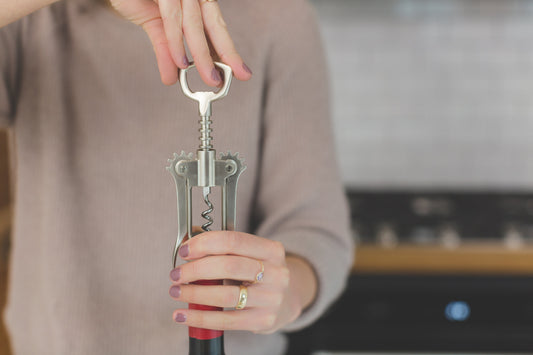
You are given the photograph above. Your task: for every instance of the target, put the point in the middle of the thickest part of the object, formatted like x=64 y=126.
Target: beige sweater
x=95 y=216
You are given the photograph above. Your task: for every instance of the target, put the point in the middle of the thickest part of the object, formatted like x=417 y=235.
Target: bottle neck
x=213 y=346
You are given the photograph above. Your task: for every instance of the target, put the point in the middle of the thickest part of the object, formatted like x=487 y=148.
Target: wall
x=432 y=93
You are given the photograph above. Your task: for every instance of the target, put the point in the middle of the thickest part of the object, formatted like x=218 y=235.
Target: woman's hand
x=288 y=284
x=199 y=22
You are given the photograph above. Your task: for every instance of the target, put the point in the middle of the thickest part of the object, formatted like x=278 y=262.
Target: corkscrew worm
x=205 y=214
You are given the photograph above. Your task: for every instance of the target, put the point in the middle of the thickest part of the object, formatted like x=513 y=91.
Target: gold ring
x=243 y=297
x=261 y=273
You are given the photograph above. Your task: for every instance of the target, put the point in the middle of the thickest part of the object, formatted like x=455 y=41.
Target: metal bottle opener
x=205 y=171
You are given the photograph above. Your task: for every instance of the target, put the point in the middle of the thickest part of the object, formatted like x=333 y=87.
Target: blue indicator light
x=457 y=311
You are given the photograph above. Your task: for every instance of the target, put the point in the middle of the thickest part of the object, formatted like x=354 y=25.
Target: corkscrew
x=206 y=171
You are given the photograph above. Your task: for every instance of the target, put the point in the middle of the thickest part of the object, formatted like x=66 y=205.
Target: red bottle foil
x=200 y=333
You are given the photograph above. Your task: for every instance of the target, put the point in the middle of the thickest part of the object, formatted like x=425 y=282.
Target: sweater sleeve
x=300 y=199
x=10 y=63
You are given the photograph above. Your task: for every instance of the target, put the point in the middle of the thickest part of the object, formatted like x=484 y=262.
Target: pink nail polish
x=184 y=251
x=246 y=69
x=215 y=75
x=180 y=318
x=175 y=274
x=175 y=291
x=185 y=61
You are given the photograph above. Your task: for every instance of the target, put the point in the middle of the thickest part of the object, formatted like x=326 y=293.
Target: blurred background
x=433 y=113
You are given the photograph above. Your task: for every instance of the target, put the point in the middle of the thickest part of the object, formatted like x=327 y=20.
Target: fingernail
x=215 y=75
x=184 y=251
x=180 y=317
x=175 y=291
x=175 y=274
x=185 y=61
x=246 y=69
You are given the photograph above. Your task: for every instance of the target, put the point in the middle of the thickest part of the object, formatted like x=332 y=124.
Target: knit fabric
x=95 y=209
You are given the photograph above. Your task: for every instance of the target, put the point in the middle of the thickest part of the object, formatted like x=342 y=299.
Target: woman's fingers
x=229 y=267
x=169 y=23
x=146 y=14
x=250 y=319
x=221 y=40
x=225 y=296
x=172 y=17
x=233 y=256
x=167 y=67
x=193 y=30
x=232 y=242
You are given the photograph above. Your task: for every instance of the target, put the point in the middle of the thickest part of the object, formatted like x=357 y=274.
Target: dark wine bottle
x=206 y=341
x=213 y=346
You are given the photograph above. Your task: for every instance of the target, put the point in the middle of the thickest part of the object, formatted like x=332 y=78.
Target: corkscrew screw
x=205 y=171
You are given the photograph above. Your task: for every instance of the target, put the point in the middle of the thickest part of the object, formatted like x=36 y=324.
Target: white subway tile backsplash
x=432 y=93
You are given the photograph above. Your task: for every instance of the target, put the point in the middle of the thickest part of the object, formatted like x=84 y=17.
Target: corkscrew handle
x=205 y=98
